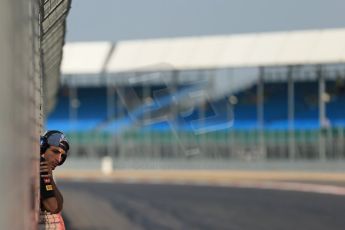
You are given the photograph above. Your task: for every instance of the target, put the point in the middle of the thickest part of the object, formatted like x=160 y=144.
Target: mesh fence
x=235 y=145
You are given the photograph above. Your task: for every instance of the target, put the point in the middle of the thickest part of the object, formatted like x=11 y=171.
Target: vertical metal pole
x=73 y=115
x=159 y=139
x=110 y=101
x=229 y=137
x=211 y=78
x=342 y=143
x=120 y=143
x=230 y=115
x=147 y=145
x=174 y=121
x=110 y=98
x=260 y=112
x=291 y=113
x=148 y=118
x=202 y=113
x=139 y=146
x=322 y=91
x=110 y=114
x=322 y=113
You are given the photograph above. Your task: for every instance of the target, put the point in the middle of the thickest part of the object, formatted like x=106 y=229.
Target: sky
x=114 y=20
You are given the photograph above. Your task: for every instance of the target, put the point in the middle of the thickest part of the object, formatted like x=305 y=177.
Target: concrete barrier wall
x=20 y=120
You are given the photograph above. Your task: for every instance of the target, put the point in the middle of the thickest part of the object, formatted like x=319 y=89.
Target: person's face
x=53 y=155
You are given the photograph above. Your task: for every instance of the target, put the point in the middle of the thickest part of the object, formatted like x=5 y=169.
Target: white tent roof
x=85 y=57
x=208 y=52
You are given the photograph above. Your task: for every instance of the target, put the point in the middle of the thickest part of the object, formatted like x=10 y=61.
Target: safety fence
x=326 y=144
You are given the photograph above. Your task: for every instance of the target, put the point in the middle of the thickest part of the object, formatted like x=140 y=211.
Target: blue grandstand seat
x=92 y=111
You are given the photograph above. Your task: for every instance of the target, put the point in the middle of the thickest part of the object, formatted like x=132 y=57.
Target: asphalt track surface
x=143 y=206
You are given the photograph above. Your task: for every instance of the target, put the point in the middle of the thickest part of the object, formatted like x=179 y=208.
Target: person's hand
x=46 y=179
x=45 y=170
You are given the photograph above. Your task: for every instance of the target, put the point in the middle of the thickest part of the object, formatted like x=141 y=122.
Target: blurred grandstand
x=249 y=97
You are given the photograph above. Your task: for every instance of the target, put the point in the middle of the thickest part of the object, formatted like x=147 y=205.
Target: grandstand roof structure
x=308 y=47
x=85 y=57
